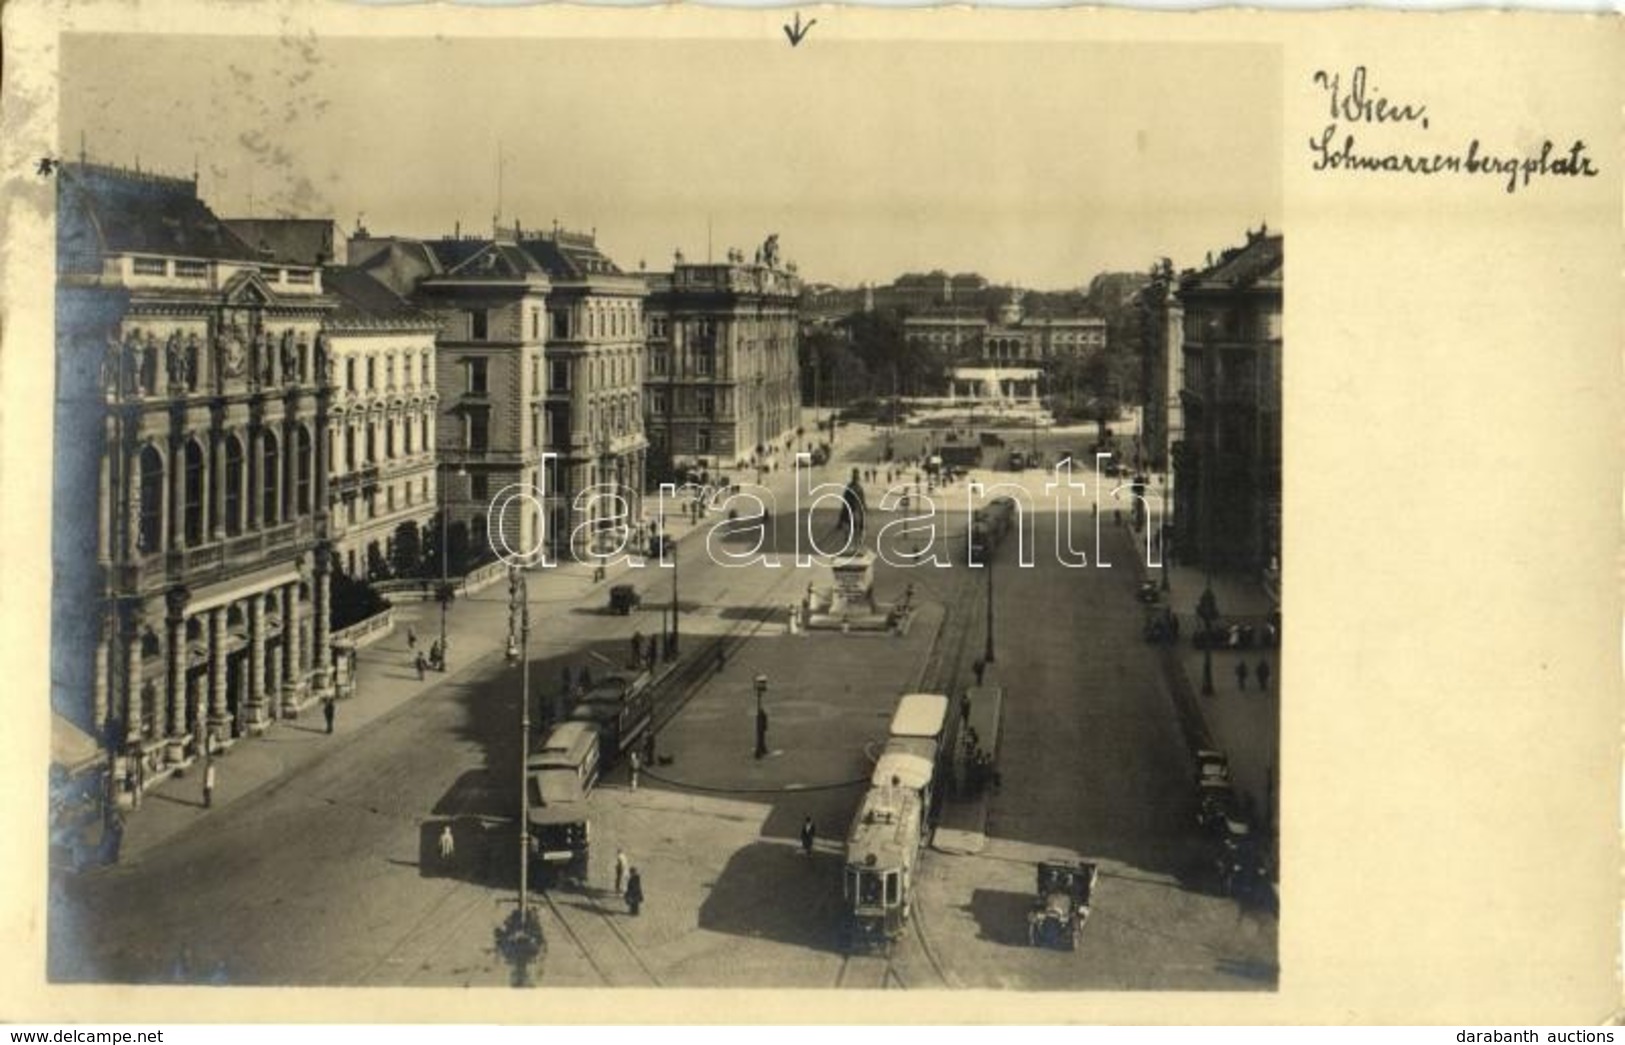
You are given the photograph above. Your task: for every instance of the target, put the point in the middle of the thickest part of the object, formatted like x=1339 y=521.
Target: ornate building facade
x=190 y=531
x=723 y=369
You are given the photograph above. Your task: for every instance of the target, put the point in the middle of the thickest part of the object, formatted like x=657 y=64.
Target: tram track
x=596 y=960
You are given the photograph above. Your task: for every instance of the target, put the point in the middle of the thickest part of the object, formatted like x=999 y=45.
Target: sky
x=1034 y=164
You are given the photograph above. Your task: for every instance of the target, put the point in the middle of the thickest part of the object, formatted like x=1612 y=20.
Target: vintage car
x=1065 y=891
x=1212 y=765
x=1215 y=803
x=623 y=599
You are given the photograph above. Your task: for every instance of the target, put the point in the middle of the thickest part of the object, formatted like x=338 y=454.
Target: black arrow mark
x=798 y=31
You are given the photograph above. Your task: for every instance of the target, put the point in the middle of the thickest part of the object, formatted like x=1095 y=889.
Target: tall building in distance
x=1013 y=337
x=1228 y=464
x=723 y=358
x=190 y=530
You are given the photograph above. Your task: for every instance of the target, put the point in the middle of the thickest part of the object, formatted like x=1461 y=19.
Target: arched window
x=149 y=531
x=270 y=481
x=234 y=486
x=194 y=492
x=303 y=462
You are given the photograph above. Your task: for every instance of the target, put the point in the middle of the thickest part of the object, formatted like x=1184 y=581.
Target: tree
x=406 y=550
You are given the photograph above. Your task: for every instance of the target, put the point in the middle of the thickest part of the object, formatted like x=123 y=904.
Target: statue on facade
x=770 y=251
x=174 y=361
x=324 y=359
x=290 y=359
x=229 y=351
x=189 y=361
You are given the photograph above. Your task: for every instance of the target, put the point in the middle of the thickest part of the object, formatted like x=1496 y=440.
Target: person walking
x=635 y=762
x=411 y=637
x=1263 y=673
x=448 y=844
x=620 y=871
x=1241 y=675
x=634 y=891
x=208 y=784
x=329 y=711
x=422 y=664
x=978 y=669
x=637 y=649
x=809 y=834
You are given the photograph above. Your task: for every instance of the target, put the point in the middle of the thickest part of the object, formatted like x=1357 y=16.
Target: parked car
x=623 y=599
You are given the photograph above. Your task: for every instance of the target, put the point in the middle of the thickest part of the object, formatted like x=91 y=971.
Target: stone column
x=177 y=495
x=219 y=718
x=256 y=716
x=101 y=698
x=132 y=507
x=132 y=678
x=289 y=462
x=321 y=657
x=257 y=479
x=214 y=485
x=292 y=689
x=179 y=661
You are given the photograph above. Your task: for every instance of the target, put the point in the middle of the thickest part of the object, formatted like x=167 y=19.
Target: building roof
x=569 y=257
x=366 y=302
x=1259 y=263
x=108 y=210
x=296 y=241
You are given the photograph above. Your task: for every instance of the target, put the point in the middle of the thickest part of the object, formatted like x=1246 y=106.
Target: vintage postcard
x=1052 y=515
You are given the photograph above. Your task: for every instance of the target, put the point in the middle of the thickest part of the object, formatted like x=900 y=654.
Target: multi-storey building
x=190 y=540
x=382 y=423
x=1014 y=338
x=723 y=358
x=1228 y=464
x=490 y=300
x=595 y=364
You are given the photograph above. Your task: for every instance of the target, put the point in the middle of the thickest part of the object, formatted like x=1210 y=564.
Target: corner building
x=190 y=532
x=723 y=379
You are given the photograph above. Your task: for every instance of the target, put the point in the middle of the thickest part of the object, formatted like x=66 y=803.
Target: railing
x=365 y=632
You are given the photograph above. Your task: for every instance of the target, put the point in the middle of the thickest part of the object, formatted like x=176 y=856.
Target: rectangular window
x=479 y=430
x=707 y=402
x=702 y=440
x=349 y=375
x=657 y=363
x=191 y=269
x=372 y=373
x=703 y=362
x=657 y=401
x=151 y=267
x=478 y=325
x=561 y=322
x=535 y=324
x=479 y=487
x=305 y=276
x=477 y=377
x=561 y=375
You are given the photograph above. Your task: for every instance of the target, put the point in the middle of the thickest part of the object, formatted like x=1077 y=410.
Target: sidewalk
x=1244 y=723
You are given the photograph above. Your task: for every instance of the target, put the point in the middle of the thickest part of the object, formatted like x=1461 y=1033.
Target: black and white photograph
x=530 y=512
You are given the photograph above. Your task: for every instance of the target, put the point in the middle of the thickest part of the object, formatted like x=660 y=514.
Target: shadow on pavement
x=1001 y=917
x=774 y=892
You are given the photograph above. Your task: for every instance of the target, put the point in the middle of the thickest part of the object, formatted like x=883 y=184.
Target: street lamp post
x=761 y=717
x=987 y=654
x=1207 y=608
x=519 y=938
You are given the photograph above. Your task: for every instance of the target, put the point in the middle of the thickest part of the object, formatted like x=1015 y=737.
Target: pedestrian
x=329 y=710
x=635 y=762
x=208 y=784
x=1241 y=675
x=411 y=637
x=435 y=654
x=809 y=834
x=634 y=891
x=649 y=748
x=637 y=649
x=978 y=669
x=761 y=732
x=620 y=870
x=1263 y=673
x=422 y=665
x=448 y=844
x=964 y=710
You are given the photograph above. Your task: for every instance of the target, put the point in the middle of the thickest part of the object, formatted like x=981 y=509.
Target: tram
x=882 y=851
x=559 y=779
x=620 y=707
x=913 y=746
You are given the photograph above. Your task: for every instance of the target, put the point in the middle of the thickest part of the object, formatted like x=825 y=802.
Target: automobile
x=1061 y=907
x=623 y=599
x=1216 y=804
x=1148 y=592
x=662 y=545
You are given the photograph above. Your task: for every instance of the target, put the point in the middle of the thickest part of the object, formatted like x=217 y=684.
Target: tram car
x=990 y=524
x=909 y=758
x=882 y=851
x=559 y=779
x=620 y=708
